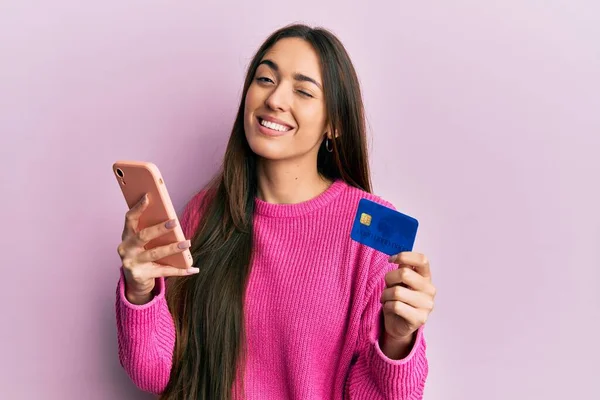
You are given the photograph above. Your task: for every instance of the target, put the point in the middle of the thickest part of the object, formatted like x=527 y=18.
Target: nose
x=279 y=98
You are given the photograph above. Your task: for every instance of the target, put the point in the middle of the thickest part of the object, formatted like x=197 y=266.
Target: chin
x=266 y=149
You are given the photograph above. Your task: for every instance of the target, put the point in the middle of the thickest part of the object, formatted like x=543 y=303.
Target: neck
x=281 y=182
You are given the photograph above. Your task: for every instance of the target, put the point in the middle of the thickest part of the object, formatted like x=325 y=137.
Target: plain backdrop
x=484 y=123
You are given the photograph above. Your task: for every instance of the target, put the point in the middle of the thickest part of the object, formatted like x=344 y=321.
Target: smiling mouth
x=273 y=126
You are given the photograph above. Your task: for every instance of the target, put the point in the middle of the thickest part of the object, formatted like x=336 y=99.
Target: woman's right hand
x=139 y=267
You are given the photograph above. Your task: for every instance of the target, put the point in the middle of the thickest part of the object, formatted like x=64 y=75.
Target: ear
x=329 y=135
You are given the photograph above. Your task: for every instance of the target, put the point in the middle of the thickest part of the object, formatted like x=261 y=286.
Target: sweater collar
x=298 y=209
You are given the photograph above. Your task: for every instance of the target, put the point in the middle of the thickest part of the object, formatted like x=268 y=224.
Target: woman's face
x=284 y=115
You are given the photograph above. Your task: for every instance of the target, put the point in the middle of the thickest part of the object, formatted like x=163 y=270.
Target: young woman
x=281 y=303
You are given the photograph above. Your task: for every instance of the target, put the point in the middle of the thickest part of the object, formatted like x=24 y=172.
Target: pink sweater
x=312 y=310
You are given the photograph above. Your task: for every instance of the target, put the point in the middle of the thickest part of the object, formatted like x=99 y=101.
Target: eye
x=306 y=94
x=264 y=79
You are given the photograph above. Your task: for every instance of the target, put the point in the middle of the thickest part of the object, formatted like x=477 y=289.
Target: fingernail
x=192 y=270
x=392 y=259
x=145 y=198
x=171 y=224
x=184 y=245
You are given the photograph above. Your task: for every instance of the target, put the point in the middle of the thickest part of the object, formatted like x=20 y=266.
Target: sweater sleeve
x=146 y=338
x=146 y=333
x=374 y=375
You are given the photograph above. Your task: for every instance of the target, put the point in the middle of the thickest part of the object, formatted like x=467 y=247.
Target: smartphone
x=136 y=178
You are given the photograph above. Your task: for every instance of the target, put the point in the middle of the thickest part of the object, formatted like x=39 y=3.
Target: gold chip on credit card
x=365 y=219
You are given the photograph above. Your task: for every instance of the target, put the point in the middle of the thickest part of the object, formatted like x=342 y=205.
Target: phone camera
x=120 y=172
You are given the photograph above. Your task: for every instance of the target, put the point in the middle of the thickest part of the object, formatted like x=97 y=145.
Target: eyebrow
x=297 y=76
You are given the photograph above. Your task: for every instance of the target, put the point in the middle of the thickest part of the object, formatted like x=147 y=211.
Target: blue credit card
x=383 y=229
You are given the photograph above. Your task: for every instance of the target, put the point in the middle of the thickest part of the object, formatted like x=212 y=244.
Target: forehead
x=294 y=55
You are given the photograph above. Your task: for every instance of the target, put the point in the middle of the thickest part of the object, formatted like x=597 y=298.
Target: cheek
x=252 y=99
x=312 y=119
x=248 y=101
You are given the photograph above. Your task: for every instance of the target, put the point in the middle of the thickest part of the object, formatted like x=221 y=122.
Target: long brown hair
x=208 y=308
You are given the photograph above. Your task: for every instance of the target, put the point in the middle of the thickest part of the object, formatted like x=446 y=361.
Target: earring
x=329 y=150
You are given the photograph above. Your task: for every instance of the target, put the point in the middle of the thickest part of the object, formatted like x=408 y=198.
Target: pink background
x=486 y=127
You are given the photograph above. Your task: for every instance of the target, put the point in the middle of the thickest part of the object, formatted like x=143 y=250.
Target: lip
x=271 y=132
x=275 y=120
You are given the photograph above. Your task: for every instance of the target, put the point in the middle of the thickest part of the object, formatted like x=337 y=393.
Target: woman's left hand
x=408 y=299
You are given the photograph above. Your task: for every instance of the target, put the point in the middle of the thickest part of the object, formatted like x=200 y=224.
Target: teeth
x=274 y=126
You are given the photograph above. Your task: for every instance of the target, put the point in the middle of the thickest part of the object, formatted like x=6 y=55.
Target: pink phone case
x=137 y=178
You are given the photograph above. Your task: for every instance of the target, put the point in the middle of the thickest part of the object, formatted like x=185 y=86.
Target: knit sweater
x=312 y=310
